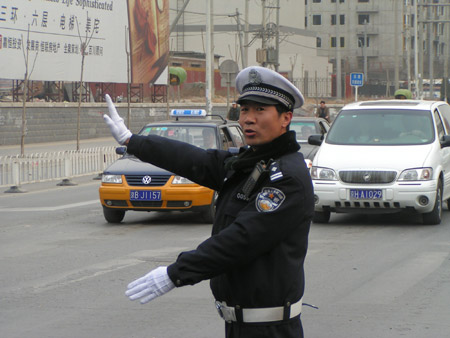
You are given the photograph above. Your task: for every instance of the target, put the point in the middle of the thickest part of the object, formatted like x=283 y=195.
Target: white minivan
x=384 y=157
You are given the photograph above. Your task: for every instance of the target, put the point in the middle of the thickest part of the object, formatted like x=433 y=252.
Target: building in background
x=378 y=38
x=247 y=33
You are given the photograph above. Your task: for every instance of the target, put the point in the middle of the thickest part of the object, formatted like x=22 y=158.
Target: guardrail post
x=16 y=179
x=67 y=173
x=102 y=163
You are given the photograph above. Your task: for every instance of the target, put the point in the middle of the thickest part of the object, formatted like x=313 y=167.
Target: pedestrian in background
x=233 y=113
x=254 y=258
x=323 y=111
x=403 y=94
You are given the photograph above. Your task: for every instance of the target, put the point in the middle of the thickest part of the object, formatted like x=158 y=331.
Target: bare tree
x=84 y=44
x=26 y=54
x=127 y=51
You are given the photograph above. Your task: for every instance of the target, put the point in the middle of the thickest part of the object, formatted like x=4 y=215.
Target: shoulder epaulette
x=275 y=172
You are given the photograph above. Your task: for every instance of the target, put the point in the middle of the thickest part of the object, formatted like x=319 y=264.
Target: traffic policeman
x=255 y=255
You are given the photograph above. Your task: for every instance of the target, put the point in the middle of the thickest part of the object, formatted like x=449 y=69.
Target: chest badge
x=269 y=199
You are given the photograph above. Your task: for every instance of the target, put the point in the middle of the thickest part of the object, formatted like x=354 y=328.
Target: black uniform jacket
x=255 y=255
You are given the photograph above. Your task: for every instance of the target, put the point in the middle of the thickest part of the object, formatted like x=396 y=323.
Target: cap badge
x=254 y=77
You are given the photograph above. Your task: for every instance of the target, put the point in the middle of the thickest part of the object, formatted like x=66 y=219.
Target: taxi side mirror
x=121 y=150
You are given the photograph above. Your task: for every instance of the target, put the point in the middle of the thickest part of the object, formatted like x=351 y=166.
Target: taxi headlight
x=112 y=179
x=319 y=173
x=416 y=174
x=181 y=180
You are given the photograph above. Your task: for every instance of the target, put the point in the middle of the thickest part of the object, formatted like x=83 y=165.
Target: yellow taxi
x=130 y=184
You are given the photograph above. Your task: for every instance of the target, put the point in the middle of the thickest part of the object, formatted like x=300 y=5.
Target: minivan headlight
x=112 y=179
x=416 y=174
x=319 y=173
x=181 y=180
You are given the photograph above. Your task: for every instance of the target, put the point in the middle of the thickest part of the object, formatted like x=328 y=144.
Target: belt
x=258 y=315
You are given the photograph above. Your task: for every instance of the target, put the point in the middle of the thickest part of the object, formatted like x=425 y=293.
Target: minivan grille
x=367 y=176
x=156 y=180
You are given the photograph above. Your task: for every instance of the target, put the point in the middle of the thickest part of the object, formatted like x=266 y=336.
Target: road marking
x=63 y=279
x=55 y=208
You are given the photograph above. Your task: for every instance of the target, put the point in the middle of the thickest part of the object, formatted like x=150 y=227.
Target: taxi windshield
x=382 y=127
x=203 y=137
x=303 y=129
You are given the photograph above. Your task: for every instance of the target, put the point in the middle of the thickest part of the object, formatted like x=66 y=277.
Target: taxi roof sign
x=188 y=112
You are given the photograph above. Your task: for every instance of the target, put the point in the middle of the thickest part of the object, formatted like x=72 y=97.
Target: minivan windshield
x=382 y=127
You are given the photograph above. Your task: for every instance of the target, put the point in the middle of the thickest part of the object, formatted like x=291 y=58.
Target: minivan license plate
x=366 y=194
x=145 y=195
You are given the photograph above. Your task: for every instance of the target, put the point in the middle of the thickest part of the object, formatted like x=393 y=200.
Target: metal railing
x=41 y=167
x=314 y=87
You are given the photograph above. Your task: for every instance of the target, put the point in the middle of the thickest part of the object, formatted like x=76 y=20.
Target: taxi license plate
x=145 y=195
x=366 y=194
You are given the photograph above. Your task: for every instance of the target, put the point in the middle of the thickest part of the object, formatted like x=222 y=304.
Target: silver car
x=384 y=157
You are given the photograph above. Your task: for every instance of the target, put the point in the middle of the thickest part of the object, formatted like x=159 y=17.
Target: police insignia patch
x=269 y=199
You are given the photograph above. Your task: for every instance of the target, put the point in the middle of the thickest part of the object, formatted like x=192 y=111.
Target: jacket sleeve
x=277 y=210
x=204 y=167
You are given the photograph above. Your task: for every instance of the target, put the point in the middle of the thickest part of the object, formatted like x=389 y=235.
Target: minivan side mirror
x=315 y=140
x=445 y=141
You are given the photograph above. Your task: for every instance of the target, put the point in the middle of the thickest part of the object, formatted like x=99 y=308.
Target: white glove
x=152 y=285
x=115 y=123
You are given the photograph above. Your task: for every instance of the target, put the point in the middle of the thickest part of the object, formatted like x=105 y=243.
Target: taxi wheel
x=113 y=215
x=321 y=216
x=209 y=211
x=434 y=216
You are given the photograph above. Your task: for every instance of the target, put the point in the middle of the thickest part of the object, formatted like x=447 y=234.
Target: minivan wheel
x=434 y=216
x=113 y=215
x=321 y=216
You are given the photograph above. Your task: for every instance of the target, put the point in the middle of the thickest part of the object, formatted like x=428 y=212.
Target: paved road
x=64 y=272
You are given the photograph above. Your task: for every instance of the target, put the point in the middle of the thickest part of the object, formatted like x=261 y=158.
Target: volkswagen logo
x=366 y=177
x=146 y=179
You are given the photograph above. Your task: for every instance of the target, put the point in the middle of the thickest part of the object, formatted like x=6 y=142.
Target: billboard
x=55 y=32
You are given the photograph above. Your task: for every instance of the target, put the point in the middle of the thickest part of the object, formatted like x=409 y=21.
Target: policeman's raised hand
x=152 y=285
x=115 y=123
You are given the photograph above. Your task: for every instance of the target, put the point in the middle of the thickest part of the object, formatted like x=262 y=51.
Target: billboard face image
x=54 y=32
x=149 y=38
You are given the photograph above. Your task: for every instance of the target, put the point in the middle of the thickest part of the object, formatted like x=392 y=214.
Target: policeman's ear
x=287 y=117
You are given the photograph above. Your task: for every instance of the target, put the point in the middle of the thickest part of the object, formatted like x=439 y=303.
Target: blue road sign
x=356 y=79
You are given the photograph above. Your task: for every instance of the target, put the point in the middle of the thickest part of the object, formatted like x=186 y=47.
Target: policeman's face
x=261 y=123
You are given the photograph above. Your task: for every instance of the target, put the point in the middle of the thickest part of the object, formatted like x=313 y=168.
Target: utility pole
x=211 y=33
x=277 y=37
x=396 y=46
x=241 y=46
x=420 y=48
x=446 y=54
x=366 y=75
x=208 y=58
x=263 y=34
x=430 y=52
x=408 y=42
x=416 y=51
x=246 y=31
x=338 y=57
